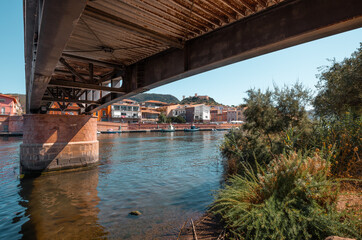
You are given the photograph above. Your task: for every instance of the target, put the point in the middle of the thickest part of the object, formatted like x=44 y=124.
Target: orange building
x=70 y=109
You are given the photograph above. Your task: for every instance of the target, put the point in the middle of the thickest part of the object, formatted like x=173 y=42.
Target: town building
x=10 y=105
x=153 y=104
x=126 y=111
x=198 y=113
x=176 y=110
x=231 y=115
x=64 y=109
x=207 y=98
x=149 y=115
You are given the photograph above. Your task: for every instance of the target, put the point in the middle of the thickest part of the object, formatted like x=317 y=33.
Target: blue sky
x=226 y=85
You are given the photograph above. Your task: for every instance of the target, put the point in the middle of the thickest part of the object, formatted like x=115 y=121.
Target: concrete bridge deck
x=97 y=52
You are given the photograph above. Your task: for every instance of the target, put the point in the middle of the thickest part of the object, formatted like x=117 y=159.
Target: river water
x=168 y=177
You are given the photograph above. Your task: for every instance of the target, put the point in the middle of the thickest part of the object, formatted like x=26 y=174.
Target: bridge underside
x=96 y=52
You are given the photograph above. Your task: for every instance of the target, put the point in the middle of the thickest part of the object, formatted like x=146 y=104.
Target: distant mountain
x=167 y=98
x=198 y=100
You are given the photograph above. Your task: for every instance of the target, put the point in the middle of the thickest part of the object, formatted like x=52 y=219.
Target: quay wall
x=179 y=126
x=11 y=124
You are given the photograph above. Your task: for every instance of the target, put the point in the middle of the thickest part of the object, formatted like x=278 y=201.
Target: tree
x=340 y=87
x=162 y=118
x=275 y=111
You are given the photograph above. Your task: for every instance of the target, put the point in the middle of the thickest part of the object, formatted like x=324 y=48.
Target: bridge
x=96 y=52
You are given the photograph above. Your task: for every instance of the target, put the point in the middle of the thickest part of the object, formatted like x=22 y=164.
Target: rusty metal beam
x=84 y=86
x=54 y=24
x=287 y=24
x=130 y=27
x=50 y=99
x=94 y=61
x=72 y=70
x=67 y=73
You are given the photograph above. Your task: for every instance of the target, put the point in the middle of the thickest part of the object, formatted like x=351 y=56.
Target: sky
x=226 y=85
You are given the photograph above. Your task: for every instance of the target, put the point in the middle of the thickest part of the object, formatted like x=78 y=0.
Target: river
x=168 y=177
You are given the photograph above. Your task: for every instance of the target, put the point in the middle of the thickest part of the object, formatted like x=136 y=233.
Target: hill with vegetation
x=167 y=98
x=197 y=100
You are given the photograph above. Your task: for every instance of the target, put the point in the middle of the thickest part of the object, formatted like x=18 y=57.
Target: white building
x=198 y=113
x=126 y=112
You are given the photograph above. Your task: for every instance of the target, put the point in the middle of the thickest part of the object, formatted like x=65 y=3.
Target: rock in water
x=338 y=238
x=135 y=213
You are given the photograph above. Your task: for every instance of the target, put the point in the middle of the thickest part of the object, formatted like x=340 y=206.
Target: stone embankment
x=154 y=127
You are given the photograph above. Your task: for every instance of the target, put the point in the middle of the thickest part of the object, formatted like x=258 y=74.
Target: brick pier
x=55 y=142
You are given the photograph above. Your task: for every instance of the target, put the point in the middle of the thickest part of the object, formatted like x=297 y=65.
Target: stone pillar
x=55 y=142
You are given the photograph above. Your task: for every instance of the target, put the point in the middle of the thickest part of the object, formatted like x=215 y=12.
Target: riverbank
x=209 y=227
x=157 y=127
x=15 y=127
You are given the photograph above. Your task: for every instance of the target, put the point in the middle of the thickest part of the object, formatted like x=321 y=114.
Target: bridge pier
x=56 y=142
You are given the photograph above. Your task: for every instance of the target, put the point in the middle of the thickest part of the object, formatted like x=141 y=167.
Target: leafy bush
x=241 y=146
x=291 y=199
x=342 y=137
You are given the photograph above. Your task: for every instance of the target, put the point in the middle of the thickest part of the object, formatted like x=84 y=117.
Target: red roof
x=9 y=96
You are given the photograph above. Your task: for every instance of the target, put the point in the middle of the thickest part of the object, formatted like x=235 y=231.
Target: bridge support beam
x=57 y=142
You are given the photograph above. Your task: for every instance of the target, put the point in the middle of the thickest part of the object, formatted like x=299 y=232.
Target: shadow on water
x=61 y=206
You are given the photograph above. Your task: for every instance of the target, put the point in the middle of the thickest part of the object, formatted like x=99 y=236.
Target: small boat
x=170 y=128
x=192 y=129
x=111 y=131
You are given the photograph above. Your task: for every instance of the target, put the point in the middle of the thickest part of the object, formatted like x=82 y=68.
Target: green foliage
x=167 y=98
x=342 y=137
x=178 y=119
x=340 y=88
x=197 y=100
x=291 y=199
x=275 y=120
x=162 y=118
x=275 y=111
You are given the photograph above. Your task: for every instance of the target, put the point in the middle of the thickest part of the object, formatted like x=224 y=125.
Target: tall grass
x=291 y=199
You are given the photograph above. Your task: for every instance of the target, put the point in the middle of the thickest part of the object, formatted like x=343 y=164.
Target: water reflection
x=62 y=206
x=169 y=177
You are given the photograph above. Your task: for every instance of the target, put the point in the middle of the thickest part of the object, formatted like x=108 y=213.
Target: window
x=2 y=100
x=123 y=108
x=135 y=108
x=129 y=108
x=97 y=114
x=2 y=110
x=116 y=107
x=123 y=114
x=104 y=113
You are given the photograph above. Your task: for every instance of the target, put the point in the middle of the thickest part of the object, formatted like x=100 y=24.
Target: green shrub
x=241 y=146
x=342 y=137
x=291 y=199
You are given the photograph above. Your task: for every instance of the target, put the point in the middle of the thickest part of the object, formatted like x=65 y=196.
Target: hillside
x=197 y=100
x=167 y=98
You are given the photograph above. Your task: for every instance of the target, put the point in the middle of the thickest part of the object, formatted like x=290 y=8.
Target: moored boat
x=170 y=128
x=192 y=129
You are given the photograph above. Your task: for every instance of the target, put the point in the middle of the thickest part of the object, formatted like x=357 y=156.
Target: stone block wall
x=54 y=142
